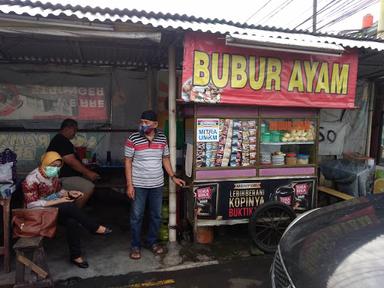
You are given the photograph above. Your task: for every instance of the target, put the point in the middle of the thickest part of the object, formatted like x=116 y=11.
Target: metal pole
x=172 y=139
x=370 y=90
x=380 y=23
x=314 y=16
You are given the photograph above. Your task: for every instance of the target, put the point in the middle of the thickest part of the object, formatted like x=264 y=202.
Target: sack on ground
x=34 y=222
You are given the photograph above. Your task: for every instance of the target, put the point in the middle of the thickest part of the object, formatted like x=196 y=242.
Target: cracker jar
x=291 y=159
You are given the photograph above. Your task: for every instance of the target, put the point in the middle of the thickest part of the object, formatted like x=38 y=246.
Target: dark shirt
x=63 y=146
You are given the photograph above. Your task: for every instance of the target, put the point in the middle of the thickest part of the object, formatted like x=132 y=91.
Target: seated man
x=73 y=171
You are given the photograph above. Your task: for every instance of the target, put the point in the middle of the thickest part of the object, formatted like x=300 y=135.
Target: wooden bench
x=30 y=257
x=334 y=193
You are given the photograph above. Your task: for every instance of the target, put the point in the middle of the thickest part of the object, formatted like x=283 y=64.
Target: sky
x=278 y=13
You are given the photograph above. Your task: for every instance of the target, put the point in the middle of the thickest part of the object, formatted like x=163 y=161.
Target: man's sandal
x=157 y=249
x=135 y=254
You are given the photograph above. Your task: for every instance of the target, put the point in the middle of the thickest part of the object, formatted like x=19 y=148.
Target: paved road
x=241 y=273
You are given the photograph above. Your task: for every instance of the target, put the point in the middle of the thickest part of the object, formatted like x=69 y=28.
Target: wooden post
x=20 y=269
x=6 y=219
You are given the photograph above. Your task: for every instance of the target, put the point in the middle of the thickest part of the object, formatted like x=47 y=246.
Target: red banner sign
x=216 y=73
x=37 y=102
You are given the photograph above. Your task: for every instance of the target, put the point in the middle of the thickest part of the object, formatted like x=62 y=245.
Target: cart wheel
x=268 y=223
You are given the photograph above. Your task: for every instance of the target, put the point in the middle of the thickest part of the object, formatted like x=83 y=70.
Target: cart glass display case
x=226 y=142
x=247 y=156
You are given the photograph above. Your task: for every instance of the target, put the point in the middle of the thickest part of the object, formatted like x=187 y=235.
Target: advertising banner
x=30 y=146
x=332 y=137
x=216 y=73
x=38 y=102
x=237 y=200
x=206 y=200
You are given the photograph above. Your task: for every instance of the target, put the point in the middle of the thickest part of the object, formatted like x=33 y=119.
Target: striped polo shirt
x=147 y=164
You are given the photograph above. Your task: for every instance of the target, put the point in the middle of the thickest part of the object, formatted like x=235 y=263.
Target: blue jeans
x=154 y=196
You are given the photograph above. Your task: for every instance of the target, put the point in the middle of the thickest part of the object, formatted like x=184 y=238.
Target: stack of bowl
x=278 y=159
x=265 y=158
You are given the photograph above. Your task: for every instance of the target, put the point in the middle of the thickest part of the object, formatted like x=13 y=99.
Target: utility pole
x=380 y=23
x=314 y=16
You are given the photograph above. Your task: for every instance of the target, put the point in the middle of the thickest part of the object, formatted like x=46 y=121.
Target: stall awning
x=87 y=34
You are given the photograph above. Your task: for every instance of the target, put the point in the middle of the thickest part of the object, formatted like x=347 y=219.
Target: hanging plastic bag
x=8 y=156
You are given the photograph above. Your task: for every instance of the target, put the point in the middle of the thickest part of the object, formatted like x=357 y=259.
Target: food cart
x=251 y=128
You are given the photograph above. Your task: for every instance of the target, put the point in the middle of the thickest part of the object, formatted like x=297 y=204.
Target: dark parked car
x=338 y=246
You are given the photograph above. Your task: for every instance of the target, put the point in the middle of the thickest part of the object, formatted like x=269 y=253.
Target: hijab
x=50 y=157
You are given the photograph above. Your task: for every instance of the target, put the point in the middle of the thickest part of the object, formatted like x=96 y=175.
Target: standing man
x=146 y=152
x=73 y=171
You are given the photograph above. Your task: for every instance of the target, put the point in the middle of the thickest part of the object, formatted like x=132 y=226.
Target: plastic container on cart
x=302 y=159
x=275 y=136
x=278 y=159
x=81 y=152
x=351 y=177
x=263 y=128
x=266 y=137
x=291 y=159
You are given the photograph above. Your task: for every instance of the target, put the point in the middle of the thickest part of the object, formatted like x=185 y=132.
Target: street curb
x=188 y=266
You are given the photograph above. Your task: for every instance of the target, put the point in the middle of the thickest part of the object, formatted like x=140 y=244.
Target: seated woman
x=42 y=188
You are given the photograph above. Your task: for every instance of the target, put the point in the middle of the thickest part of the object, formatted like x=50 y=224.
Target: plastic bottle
x=109 y=158
x=94 y=158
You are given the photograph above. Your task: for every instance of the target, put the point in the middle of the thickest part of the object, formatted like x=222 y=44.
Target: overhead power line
x=329 y=5
x=258 y=10
x=337 y=8
x=276 y=11
x=354 y=10
x=304 y=13
x=328 y=13
x=336 y=11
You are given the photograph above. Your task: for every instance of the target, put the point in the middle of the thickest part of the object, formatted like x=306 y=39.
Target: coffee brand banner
x=216 y=73
x=237 y=200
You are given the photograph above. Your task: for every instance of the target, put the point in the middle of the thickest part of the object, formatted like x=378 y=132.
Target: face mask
x=52 y=171
x=145 y=129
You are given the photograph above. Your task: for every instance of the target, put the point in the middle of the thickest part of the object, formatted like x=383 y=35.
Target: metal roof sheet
x=182 y=22
x=265 y=42
x=64 y=50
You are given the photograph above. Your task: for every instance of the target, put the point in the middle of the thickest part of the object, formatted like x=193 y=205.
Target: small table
x=4 y=250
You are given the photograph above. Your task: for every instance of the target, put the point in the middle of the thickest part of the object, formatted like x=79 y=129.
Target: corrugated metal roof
x=180 y=22
x=265 y=42
x=64 y=50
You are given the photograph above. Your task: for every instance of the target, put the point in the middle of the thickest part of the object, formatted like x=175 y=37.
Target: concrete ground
x=247 y=272
x=109 y=255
